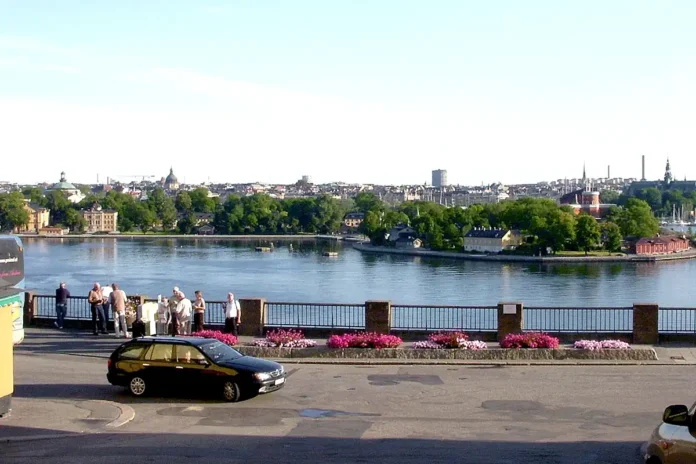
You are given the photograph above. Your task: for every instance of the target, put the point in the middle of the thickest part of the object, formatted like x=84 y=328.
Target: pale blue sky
x=356 y=91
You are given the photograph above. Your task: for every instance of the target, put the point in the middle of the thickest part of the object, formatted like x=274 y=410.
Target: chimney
x=643 y=178
x=608 y=172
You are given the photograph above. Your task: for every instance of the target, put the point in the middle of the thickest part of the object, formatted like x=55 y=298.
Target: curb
x=449 y=362
x=127 y=413
x=41 y=437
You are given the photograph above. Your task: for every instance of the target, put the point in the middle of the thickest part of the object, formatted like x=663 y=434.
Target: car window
x=132 y=352
x=160 y=352
x=218 y=351
x=187 y=354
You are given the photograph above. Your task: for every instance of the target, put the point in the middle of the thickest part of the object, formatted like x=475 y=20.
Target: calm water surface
x=154 y=266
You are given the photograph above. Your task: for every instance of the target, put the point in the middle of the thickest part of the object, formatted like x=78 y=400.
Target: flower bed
x=364 y=340
x=596 y=345
x=452 y=340
x=529 y=340
x=284 y=338
x=227 y=339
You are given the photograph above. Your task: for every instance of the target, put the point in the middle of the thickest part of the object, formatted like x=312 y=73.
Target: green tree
x=187 y=224
x=609 y=197
x=611 y=236
x=35 y=195
x=587 y=233
x=637 y=220
x=183 y=202
x=652 y=197
x=12 y=211
x=163 y=207
x=367 y=201
x=75 y=221
x=200 y=201
x=58 y=204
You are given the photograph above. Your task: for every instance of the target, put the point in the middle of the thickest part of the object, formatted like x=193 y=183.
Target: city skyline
x=512 y=92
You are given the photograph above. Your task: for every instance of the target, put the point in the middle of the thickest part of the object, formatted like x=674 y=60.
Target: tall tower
x=668 y=174
x=643 y=172
x=584 y=177
x=608 y=171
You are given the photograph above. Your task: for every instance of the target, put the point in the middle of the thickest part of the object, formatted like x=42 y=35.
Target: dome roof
x=171 y=178
x=63 y=184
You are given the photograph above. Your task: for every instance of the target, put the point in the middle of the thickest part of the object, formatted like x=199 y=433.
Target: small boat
x=330 y=254
x=263 y=249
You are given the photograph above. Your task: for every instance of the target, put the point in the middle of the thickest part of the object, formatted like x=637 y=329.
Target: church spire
x=584 y=176
x=668 y=173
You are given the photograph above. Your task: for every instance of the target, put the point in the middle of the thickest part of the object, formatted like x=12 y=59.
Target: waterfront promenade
x=336 y=413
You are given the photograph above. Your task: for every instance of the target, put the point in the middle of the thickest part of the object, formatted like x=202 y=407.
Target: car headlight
x=261 y=376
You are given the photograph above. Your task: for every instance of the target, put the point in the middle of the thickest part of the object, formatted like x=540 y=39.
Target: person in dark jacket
x=62 y=295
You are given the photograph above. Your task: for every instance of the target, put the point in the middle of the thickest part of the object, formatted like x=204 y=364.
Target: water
x=154 y=266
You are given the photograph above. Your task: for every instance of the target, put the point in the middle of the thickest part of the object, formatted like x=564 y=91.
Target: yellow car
x=673 y=441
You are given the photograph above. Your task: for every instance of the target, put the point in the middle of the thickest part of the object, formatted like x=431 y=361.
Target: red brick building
x=661 y=244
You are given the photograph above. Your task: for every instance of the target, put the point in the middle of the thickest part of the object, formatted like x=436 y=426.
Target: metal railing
x=677 y=320
x=315 y=315
x=467 y=318
x=214 y=311
x=578 y=320
x=78 y=307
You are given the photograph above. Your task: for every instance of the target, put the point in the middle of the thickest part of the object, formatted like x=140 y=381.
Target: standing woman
x=198 y=312
x=233 y=314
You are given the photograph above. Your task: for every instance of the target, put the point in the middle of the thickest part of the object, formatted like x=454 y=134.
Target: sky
x=360 y=91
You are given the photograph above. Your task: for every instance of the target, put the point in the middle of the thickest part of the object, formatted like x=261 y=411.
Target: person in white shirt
x=233 y=314
x=183 y=314
x=106 y=292
x=163 y=317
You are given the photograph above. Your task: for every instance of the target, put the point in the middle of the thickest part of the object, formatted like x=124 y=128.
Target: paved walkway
x=82 y=343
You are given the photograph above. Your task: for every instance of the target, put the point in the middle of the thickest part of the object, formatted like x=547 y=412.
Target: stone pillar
x=645 y=319
x=378 y=316
x=29 y=308
x=510 y=319
x=253 y=316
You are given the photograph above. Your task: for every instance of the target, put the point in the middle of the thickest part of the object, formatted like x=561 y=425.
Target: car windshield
x=218 y=351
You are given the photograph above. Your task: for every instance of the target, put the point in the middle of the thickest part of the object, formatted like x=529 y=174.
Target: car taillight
x=665 y=444
x=108 y=364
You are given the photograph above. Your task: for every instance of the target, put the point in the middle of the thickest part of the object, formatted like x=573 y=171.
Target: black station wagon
x=189 y=363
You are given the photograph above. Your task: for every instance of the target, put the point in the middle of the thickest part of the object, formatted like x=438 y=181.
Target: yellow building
x=100 y=220
x=487 y=240
x=38 y=218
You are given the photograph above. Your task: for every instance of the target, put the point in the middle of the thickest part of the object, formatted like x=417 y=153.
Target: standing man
x=233 y=314
x=106 y=291
x=173 y=303
x=96 y=302
x=183 y=314
x=198 y=312
x=163 y=317
x=118 y=299
x=62 y=295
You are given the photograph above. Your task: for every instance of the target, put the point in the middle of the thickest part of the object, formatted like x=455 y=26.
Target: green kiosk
x=11 y=312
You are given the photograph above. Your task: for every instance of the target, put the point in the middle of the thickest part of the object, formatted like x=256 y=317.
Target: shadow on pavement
x=53 y=341
x=179 y=448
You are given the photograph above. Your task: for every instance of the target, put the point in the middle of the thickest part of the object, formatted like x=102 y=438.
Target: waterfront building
x=353 y=220
x=100 y=220
x=171 y=182
x=38 y=218
x=72 y=193
x=488 y=240
x=661 y=245
x=53 y=231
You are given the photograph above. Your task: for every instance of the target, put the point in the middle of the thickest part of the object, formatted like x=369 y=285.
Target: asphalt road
x=392 y=414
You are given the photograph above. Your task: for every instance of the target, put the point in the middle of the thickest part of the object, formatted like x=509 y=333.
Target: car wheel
x=137 y=386
x=230 y=391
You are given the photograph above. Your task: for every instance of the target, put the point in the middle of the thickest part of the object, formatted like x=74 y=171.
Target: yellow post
x=10 y=309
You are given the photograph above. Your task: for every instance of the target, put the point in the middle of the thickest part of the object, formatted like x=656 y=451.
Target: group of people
x=100 y=300
x=173 y=313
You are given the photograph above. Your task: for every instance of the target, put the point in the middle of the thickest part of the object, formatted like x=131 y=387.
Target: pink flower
x=449 y=339
x=529 y=340
x=227 y=339
x=594 y=345
x=285 y=338
x=364 y=340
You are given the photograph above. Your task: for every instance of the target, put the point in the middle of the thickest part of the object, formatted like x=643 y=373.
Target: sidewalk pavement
x=50 y=341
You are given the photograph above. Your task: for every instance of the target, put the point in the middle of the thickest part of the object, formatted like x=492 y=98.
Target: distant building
x=408 y=242
x=38 y=218
x=440 y=178
x=53 y=231
x=586 y=200
x=72 y=193
x=306 y=179
x=353 y=220
x=100 y=220
x=171 y=182
x=661 y=245
x=401 y=231
x=206 y=230
x=487 y=240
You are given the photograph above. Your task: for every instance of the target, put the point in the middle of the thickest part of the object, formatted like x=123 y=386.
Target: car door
x=159 y=364
x=683 y=444
x=190 y=367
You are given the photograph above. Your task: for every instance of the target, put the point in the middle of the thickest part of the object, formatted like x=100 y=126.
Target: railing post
x=645 y=323
x=253 y=316
x=29 y=308
x=510 y=319
x=378 y=316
